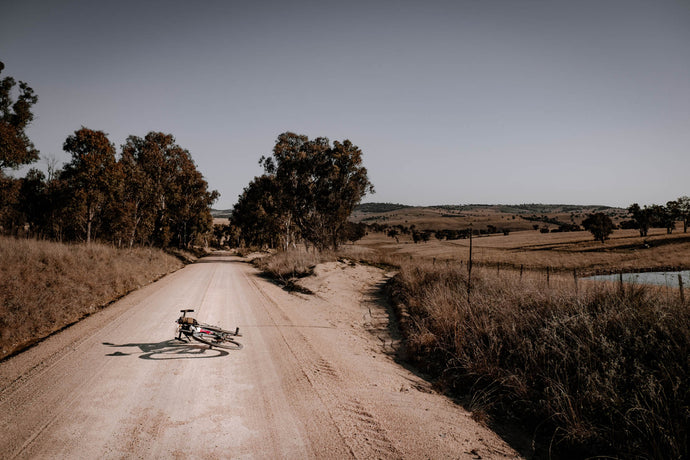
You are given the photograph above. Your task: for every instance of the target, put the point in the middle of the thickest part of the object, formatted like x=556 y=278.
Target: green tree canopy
x=258 y=214
x=642 y=217
x=319 y=185
x=15 y=116
x=599 y=225
x=167 y=197
x=90 y=175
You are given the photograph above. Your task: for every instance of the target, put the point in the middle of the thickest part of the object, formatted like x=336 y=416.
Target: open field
x=512 y=218
x=624 y=251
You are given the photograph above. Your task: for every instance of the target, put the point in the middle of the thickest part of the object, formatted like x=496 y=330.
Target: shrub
x=602 y=372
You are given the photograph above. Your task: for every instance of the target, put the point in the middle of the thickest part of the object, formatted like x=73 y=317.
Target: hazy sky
x=581 y=102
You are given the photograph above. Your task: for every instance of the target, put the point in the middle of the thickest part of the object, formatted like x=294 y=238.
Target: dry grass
x=603 y=371
x=288 y=265
x=45 y=286
x=625 y=250
x=586 y=368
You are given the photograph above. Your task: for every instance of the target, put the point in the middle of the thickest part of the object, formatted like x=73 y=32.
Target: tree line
x=643 y=218
x=306 y=193
x=149 y=194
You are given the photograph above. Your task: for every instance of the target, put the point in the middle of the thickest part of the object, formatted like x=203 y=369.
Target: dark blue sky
x=451 y=101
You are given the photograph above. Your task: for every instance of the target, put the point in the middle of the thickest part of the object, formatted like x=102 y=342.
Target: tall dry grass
x=600 y=371
x=45 y=286
x=295 y=263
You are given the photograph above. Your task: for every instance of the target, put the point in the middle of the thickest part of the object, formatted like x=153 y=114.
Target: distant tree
x=642 y=216
x=33 y=202
x=629 y=224
x=354 y=231
x=664 y=216
x=258 y=215
x=416 y=236
x=684 y=211
x=599 y=225
x=89 y=175
x=393 y=233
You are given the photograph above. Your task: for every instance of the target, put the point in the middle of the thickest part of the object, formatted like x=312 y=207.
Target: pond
x=669 y=279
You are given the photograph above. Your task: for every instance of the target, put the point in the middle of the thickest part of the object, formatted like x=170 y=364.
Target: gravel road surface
x=316 y=378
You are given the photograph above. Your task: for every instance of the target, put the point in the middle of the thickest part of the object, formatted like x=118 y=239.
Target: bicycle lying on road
x=213 y=336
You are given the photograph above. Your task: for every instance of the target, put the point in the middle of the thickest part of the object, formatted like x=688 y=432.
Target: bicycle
x=213 y=336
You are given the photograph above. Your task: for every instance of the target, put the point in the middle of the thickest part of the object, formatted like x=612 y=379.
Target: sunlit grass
x=45 y=286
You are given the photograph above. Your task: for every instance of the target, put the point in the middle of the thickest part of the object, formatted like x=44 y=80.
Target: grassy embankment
x=46 y=286
x=600 y=371
x=587 y=368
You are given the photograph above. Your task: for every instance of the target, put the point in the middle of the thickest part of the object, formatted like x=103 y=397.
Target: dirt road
x=315 y=379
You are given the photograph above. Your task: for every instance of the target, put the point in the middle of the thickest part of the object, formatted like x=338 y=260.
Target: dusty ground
x=316 y=378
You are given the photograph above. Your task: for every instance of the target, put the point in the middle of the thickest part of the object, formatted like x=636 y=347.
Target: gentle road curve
x=315 y=378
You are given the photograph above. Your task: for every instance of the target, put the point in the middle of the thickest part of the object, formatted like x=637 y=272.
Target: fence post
x=620 y=282
x=548 y=275
x=469 y=268
x=521 y=267
x=680 y=285
x=575 y=278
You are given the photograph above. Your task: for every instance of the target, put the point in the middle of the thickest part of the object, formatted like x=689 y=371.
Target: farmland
x=523 y=246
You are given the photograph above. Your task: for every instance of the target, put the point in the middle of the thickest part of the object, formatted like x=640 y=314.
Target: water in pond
x=661 y=278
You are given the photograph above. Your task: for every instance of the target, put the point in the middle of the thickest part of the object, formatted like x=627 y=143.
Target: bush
x=604 y=372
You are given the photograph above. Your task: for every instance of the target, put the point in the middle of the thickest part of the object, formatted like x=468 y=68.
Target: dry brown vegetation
x=586 y=368
x=513 y=218
x=595 y=371
x=624 y=251
x=45 y=286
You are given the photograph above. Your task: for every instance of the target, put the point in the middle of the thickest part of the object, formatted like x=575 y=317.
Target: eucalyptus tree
x=15 y=116
x=259 y=215
x=642 y=217
x=90 y=176
x=318 y=185
x=15 y=147
x=168 y=199
x=683 y=207
x=599 y=225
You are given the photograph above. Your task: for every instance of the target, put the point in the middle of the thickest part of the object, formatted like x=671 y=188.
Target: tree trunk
x=89 y=219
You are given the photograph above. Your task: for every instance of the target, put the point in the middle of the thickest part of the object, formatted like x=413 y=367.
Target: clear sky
x=451 y=102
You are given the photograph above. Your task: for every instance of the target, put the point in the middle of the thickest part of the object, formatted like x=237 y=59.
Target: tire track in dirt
x=359 y=429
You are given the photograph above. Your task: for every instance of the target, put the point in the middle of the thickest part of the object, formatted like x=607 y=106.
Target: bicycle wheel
x=217 y=340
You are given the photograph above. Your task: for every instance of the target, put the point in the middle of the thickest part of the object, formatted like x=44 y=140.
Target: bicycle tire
x=219 y=329
x=217 y=340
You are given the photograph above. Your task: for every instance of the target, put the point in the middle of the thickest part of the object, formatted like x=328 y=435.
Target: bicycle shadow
x=168 y=349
